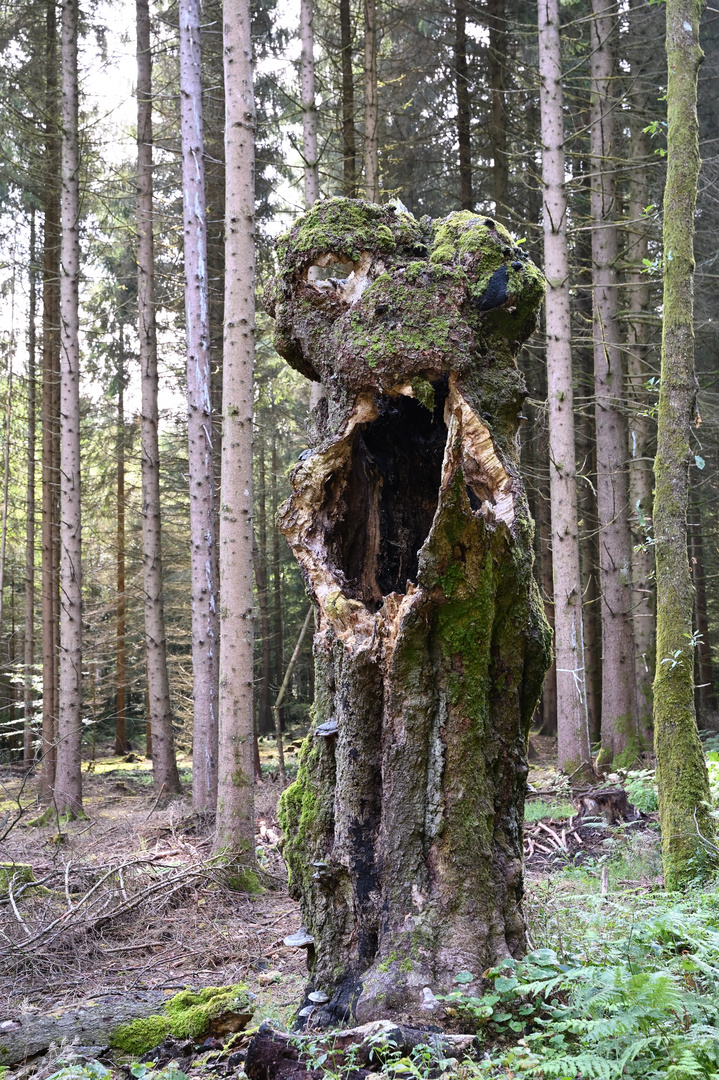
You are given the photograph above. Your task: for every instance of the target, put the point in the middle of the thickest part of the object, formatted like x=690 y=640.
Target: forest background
x=442 y=99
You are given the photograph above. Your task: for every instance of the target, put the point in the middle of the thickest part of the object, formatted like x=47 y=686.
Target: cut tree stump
x=410 y=523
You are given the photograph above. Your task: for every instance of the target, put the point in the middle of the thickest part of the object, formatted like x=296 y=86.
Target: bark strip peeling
x=409 y=520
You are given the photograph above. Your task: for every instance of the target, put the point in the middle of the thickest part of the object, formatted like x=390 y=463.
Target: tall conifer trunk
x=683 y=785
x=464 y=115
x=50 y=374
x=309 y=111
x=572 y=723
x=497 y=23
x=235 y=796
x=349 y=153
x=203 y=540
x=29 y=637
x=163 y=750
x=371 y=106
x=620 y=737
x=120 y=676
x=68 y=780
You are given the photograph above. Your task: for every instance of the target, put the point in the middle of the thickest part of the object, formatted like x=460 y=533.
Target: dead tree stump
x=409 y=520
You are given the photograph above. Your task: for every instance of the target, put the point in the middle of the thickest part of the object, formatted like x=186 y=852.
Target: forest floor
x=161 y=916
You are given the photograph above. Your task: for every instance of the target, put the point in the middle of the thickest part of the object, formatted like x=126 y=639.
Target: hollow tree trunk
x=349 y=152
x=235 y=807
x=464 y=115
x=50 y=367
x=68 y=779
x=410 y=523
x=682 y=782
x=203 y=536
x=572 y=722
x=29 y=636
x=371 y=107
x=620 y=736
x=164 y=765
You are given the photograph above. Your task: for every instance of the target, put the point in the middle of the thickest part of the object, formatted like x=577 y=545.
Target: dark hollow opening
x=389 y=497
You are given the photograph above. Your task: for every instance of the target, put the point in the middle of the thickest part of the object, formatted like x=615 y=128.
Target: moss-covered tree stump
x=409 y=520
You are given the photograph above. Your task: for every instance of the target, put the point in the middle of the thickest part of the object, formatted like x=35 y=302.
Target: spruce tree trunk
x=50 y=369
x=410 y=524
x=68 y=779
x=681 y=771
x=203 y=539
x=572 y=722
x=259 y=556
x=620 y=735
x=705 y=696
x=278 y=665
x=235 y=796
x=164 y=765
x=120 y=676
x=29 y=636
x=639 y=314
x=497 y=23
x=349 y=152
x=371 y=105
x=309 y=110
x=464 y=115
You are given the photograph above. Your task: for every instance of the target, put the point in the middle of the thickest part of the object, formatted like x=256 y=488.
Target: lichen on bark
x=409 y=520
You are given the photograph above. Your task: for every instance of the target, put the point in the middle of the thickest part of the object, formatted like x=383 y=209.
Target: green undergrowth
x=537 y=809
x=621 y=986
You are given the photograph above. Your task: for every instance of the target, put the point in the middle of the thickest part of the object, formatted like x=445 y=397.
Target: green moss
x=423 y=391
x=406 y=966
x=242 y=879
x=384 y=966
x=18 y=873
x=188 y=1015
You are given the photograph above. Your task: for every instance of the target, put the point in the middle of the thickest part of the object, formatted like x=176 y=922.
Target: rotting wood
x=409 y=520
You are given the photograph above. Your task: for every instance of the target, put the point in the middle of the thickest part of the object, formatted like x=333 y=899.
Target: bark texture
x=682 y=780
x=29 y=636
x=620 y=736
x=121 y=746
x=50 y=400
x=235 y=817
x=498 y=62
x=572 y=721
x=349 y=151
x=410 y=523
x=164 y=766
x=68 y=779
x=371 y=104
x=309 y=110
x=464 y=114
x=203 y=538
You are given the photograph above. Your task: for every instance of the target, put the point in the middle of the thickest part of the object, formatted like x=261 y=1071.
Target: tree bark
x=235 y=805
x=497 y=24
x=410 y=523
x=371 y=106
x=572 y=722
x=29 y=636
x=203 y=538
x=164 y=765
x=620 y=735
x=68 y=779
x=121 y=746
x=464 y=113
x=278 y=665
x=50 y=376
x=641 y=478
x=309 y=109
x=264 y=719
x=349 y=153
x=682 y=780
x=705 y=695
